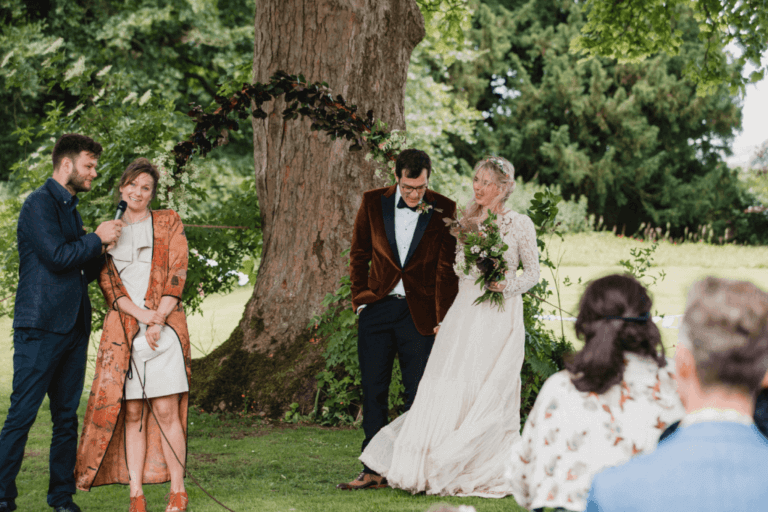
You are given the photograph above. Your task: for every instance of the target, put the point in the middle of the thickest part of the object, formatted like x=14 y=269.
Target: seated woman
x=141 y=382
x=615 y=398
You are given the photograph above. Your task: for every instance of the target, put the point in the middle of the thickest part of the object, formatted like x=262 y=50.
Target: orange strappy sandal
x=177 y=502
x=138 y=504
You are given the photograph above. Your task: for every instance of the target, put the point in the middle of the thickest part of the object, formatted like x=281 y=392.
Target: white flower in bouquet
x=484 y=254
x=475 y=249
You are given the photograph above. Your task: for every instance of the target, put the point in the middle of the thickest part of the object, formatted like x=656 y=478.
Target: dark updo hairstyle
x=600 y=364
x=137 y=167
x=413 y=161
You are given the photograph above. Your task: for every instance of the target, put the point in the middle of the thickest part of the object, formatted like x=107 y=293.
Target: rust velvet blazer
x=428 y=277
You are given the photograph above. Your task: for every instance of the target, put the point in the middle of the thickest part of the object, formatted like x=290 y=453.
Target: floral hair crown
x=498 y=163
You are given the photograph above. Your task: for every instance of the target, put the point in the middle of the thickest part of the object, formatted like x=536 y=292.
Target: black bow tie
x=401 y=204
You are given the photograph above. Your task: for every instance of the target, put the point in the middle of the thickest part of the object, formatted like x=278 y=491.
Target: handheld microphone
x=121 y=206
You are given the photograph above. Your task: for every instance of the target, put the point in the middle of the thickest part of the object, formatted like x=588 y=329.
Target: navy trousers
x=385 y=328
x=52 y=364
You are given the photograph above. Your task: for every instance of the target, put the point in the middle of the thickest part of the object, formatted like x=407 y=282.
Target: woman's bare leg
x=135 y=442
x=166 y=409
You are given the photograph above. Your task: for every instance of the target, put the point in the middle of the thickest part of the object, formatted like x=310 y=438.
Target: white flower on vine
x=131 y=97
x=104 y=71
x=54 y=46
x=145 y=97
x=7 y=58
x=99 y=95
x=76 y=109
x=75 y=70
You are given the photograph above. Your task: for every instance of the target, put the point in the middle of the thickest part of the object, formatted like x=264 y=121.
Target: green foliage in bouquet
x=484 y=249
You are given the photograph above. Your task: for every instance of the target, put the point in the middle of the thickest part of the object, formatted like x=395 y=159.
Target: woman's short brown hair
x=136 y=168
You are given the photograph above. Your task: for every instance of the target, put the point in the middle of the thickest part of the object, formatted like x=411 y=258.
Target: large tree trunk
x=309 y=191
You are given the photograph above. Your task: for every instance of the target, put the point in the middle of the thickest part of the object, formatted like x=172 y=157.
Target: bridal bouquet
x=483 y=248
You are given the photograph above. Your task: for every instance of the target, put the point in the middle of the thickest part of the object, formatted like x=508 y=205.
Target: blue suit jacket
x=57 y=260
x=716 y=466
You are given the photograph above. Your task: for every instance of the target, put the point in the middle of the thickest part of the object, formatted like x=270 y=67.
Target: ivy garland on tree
x=328 y=114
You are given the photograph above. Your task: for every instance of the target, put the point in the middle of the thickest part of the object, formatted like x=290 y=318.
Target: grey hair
x=725 y=327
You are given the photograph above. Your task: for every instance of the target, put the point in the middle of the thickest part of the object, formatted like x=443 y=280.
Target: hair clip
x=642 y=318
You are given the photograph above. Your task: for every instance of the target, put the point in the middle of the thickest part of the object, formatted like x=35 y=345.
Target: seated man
x=717 y=460
x=760 y=416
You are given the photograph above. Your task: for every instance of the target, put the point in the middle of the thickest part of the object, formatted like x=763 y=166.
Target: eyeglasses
x=408 y=190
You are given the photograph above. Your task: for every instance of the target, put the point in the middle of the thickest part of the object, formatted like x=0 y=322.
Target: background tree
x=633 y=138
x=177 y=49
x=309 y=190
x=633 y=30
x=124 y=72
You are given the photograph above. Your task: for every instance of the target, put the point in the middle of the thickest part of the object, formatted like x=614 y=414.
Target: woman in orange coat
x=144 y=356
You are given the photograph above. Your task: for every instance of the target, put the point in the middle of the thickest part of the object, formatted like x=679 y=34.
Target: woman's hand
x=150 y=317
x=496 y=286
x=153 y=336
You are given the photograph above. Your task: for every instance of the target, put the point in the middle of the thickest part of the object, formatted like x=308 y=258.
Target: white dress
x=166 y=373
x=457 y=437
x=570 y=435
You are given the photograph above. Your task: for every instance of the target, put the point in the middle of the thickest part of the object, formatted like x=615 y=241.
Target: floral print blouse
x=570 y=435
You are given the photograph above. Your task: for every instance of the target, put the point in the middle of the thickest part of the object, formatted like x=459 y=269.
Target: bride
x=458 y=435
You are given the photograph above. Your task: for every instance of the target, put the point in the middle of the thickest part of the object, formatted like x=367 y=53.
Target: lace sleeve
x=522 y=237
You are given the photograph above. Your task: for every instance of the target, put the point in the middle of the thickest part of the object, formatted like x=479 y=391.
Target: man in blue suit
x=717 y=460
x=52 y=317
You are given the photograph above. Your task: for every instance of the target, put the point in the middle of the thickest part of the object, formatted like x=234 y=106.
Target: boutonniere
x=423 y=208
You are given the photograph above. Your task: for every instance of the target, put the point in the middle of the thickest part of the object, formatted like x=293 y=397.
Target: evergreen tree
x=633 y=138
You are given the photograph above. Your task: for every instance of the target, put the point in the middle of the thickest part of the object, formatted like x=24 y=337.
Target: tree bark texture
x=309 y=190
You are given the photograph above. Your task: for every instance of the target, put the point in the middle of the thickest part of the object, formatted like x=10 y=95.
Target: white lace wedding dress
x=458 y=436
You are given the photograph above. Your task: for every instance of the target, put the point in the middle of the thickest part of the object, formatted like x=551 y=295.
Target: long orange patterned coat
x=101 y=456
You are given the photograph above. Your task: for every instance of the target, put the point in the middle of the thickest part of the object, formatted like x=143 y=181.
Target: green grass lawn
x=273 y=467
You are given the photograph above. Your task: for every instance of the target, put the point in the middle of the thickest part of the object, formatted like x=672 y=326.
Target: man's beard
x=77 y=182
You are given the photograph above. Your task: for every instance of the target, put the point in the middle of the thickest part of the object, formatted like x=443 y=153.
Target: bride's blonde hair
x=502 y=174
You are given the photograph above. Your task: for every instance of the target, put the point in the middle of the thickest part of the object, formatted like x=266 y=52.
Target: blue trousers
x=386 y=328
x=52 y=364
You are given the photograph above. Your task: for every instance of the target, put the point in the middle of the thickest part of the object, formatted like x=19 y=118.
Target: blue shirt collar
x=62 y=195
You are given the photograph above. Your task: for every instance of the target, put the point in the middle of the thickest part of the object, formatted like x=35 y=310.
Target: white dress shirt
x=405 y=226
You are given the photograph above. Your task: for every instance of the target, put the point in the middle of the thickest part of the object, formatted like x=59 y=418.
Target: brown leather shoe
x=364 y=481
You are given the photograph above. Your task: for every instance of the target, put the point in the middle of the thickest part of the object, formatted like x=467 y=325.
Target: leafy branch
x=328 y=114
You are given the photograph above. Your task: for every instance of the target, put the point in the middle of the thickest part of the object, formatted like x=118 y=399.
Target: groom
x=404 y=295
